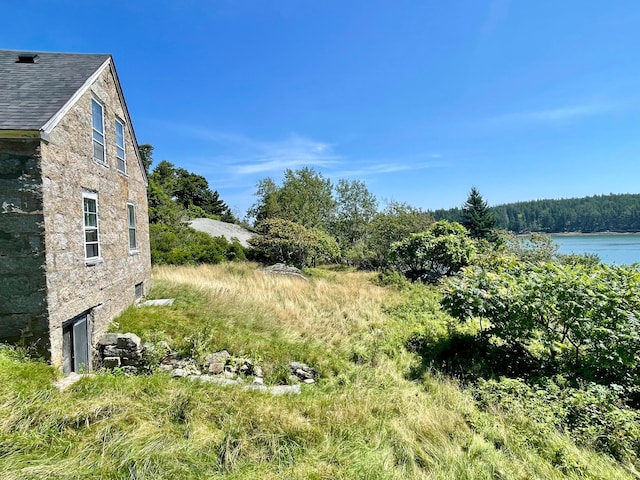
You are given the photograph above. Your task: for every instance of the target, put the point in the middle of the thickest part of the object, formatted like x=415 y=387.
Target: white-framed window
x=97 y=123
x=91 y=233
x=120 y=156
x=133 y=232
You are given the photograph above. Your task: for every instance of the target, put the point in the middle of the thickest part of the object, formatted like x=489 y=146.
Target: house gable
x=67 y=216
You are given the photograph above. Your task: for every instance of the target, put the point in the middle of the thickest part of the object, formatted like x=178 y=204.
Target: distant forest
x=599 y=213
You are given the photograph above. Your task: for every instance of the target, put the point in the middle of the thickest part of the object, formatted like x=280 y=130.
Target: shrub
x=183 y=245
x=442 y=250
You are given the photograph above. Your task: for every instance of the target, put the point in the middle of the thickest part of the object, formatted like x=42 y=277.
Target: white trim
x=53 y=121
x=127 y=118
x=124 y=145
x=102 y=133
x=135 y=249
x=91 y=195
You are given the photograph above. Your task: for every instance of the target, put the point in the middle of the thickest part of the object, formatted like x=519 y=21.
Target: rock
x=165 y=367
x=257 y=371
x=309 y=381
x=285 y=389
x=216 y=368
x=108 y=339
x=179 y=372
x=215 y=379
x=258 y=381
x=113 y=351
x=293 y=379
x=282 y=269
x=218 y=357
x=129 y=341
x=111 y=362
x=256 y=386
x=302 y=371
x=131 y=361
x=303 y=374
x=130 y=370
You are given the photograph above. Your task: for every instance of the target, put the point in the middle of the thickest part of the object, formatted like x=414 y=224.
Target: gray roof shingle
x=31 y=93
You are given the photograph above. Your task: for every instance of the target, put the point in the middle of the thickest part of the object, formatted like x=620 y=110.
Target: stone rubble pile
x=124 y=351
x=301 y=372
x=121 y=350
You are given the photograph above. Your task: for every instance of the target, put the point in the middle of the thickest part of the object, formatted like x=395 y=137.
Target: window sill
x=124 y=174
x=102 y=164
x=134 y=252
x=90 y=262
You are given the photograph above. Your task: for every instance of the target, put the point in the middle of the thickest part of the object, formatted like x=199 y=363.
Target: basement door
x=75 y=344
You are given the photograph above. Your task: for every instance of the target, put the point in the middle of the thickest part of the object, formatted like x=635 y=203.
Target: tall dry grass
x=365 y=419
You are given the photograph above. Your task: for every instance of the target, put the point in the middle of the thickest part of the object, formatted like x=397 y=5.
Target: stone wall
x=68 y=169
x=23 y=308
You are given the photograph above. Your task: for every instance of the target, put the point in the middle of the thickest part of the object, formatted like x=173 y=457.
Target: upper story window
x=131 y=214
x=91 y=236
x=122 y=164
x=97 y=120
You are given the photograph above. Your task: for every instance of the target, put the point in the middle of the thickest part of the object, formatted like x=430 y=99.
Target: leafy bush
x=183 y=245
x=591 y=415
x=283 y=241
x=586 y=319
x=443 y=249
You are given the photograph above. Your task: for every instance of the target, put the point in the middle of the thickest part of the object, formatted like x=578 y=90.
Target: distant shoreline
x=580 y=234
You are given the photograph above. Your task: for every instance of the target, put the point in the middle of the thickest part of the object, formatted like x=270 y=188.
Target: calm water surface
x=621 y=249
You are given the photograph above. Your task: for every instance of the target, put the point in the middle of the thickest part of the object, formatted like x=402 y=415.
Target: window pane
x=98 y=137
x=132 y=216
x=119 y=152
x=91 y=235
x=132 y=238
x=98 y=151
x=121 y=164
x=92 y=250
x=119 y=134
x=90 y=205
x=90 y=220
x=96 y=113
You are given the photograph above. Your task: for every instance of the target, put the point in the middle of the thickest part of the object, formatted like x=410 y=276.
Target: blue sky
x=420 y=99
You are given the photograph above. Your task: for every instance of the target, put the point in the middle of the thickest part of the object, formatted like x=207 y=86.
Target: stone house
x=74 y=232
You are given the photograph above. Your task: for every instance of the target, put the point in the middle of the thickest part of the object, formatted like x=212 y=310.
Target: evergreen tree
x=477 y=217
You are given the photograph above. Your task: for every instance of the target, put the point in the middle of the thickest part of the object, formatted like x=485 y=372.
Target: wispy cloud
x=243 y=156
x=380 y=167
x=557 y=115
x=246 y=156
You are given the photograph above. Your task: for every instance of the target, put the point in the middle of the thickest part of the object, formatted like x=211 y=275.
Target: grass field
x=368 y=417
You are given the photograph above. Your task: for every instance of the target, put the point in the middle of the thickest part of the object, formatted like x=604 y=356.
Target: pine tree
x=479 y=220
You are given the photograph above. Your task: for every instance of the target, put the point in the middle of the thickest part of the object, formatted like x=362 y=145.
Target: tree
x=146 y=154
x=396 y=222
x=442 y=250
x=284 y=241
x=190 y=191
x=305 y=197
x=355 y=209
x=477 y=217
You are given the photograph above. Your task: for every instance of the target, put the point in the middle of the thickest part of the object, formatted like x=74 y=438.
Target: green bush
x=442 y=250
x=183 y=245
x=584 y=321
x=591 y=415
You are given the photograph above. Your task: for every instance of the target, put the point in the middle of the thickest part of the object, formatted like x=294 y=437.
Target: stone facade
x=42 y=184
x=23 y=306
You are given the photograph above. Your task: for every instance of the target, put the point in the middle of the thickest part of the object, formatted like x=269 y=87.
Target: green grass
x=365 y=419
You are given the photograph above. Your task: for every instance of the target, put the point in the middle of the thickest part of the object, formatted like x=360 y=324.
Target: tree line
x=598 y=213
x=175 y=196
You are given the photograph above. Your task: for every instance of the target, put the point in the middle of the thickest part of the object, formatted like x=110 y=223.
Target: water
x=621 y=249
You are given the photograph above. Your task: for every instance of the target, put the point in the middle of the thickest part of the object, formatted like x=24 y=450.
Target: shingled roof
x=32 y=93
